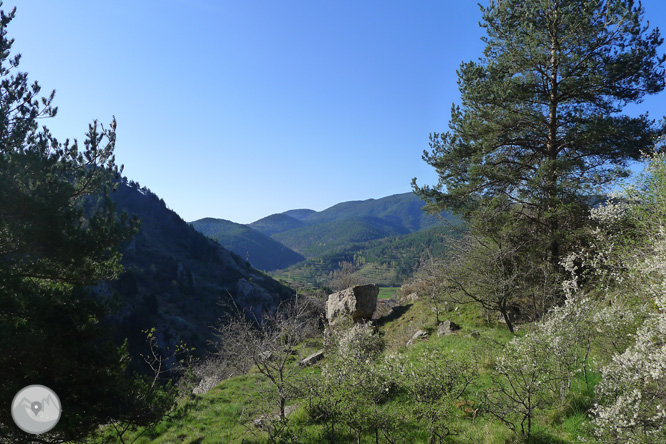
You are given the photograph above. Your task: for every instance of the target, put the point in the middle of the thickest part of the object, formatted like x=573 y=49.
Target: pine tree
x=541 y=118
x=59 y=234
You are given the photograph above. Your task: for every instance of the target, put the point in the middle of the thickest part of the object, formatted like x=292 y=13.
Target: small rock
x=475 y=334
x=312 y=358
x=412 y=297
x=263 y=419
x=418 y=335
x=447 y=327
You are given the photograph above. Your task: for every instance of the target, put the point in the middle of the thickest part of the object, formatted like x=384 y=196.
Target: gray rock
x=447 y=327
x=312 y=358
x=359 y=302
x=418 y=335
x=412 y=297
x=475 y=334
x=263 y=420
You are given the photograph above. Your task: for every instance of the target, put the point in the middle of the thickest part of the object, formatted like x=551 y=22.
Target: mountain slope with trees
x=314 y=234
x=175 y=277
x=387 y=261
x=401 y=211
x=276 y=223
x=319 y=238
x=261 y=251
x=59 y=240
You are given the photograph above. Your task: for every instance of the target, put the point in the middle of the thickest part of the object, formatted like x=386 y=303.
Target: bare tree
x=269 y=343
x=429 y=282
x=500 y=266
x=486 y=271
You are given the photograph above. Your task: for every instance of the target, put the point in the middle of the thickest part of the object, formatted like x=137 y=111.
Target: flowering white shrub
x=632 y=393
x=631 y=397
x=359 y=342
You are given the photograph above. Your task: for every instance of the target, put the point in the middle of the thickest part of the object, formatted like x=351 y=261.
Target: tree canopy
x=59 y=234
x=541 y=119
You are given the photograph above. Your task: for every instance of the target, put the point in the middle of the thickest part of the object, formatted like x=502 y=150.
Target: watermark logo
x=36 y=409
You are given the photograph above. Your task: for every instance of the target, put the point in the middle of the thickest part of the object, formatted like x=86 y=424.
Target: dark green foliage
x=540 y=120
x=314 y=233
x=260 y=250
x=58 y=236
x=401 y=210
x=301 y=214
x=344 y=226
x=315 y=240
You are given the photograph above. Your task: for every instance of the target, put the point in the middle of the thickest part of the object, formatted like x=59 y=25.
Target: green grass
x=218 y=416
x=387 y=292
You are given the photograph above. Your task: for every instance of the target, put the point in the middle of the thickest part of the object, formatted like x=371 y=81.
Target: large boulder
x=359 y=302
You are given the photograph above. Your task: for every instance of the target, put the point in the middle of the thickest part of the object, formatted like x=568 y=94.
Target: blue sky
x=238 y=109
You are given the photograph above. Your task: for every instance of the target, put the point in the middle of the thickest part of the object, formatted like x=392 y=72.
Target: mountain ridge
x=260 y=250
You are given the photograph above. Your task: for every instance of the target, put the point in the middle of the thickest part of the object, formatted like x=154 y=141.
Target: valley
x=384 y=240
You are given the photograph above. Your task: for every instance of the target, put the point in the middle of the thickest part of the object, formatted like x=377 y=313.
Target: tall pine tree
x=541 y=121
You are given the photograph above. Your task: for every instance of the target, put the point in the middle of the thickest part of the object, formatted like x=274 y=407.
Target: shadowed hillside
x=175 y=277
x=260 y=250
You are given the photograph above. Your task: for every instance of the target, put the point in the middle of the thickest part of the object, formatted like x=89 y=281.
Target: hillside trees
x=58 y=236
x=540 y=122
x=495 y=264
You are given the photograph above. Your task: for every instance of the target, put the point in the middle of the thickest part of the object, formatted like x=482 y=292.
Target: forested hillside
x=261 y=251
x=400 y=213
x=175 y=277
x=387 y=261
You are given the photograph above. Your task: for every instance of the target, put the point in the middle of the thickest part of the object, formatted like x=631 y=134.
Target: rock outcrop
x=359 y=302
x=447 y=327
x=313 y=358
x=421 y=334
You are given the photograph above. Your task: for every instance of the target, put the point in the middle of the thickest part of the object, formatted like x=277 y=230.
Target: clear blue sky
x=238 y=109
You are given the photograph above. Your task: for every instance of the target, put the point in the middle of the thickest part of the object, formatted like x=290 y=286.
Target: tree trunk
x=552 y=147
x=505 y=315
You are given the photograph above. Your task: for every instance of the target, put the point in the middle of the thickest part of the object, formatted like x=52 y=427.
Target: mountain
x=260 y=250
x=276 y=223
x=301 y=215
x=319 y=238
x=316 y=233
x=175 y=277
x=385 y=238
x=399 y=209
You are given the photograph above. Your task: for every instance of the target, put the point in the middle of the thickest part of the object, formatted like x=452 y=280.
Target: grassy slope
x=214 y=417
